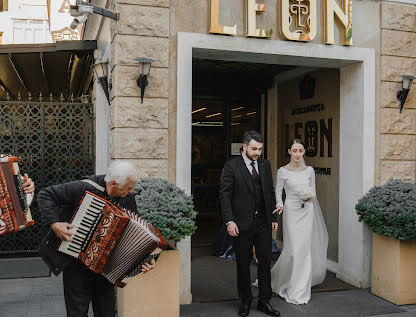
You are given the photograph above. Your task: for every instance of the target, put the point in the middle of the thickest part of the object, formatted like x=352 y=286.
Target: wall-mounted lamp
x=101 y=71
x=142 y=81
x=402 y=94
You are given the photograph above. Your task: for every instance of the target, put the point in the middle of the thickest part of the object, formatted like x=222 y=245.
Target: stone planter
x=393 y=270
x=154 y=294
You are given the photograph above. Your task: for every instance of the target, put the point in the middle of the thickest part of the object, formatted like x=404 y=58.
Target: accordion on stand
x=14 y=208
x=111 y=241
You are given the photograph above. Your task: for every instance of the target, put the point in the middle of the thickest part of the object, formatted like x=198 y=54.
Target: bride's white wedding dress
x=302 y=262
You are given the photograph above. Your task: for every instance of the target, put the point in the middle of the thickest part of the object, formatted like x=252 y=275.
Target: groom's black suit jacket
x=237 y=194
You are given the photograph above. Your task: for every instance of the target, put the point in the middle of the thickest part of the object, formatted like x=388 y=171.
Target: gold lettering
x=65 y=6
x=332 y=10
x=215 y=27
x=303 y=12
x=252 y=9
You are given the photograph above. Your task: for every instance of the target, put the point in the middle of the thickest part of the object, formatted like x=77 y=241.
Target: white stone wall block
x=129 y=47
x=150 y=168
x=392 y=121
x=138 y=143
x=404 y=170
x=392 y=67
x=398 y=16
x=124 y=82
x=389 y=99
x=398 y=43
x=129 y=112
x=398 y=147
x=152 y=3
x=143 y=20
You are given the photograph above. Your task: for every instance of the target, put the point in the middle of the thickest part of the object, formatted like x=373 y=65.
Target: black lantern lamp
x=142 y=81
x=402 y=94
x=101 y=71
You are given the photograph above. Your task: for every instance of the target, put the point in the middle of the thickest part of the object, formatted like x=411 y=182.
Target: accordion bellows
x=110 y=240
x=138 y=240
x=14 y=210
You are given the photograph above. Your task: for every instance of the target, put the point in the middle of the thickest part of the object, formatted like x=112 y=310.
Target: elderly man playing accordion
x=57 y=206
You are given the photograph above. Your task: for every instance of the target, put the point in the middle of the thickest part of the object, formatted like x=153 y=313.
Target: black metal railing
x=54 y=142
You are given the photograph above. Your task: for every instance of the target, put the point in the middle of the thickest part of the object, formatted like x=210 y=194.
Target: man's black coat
x=237 y=192
x=58 y=203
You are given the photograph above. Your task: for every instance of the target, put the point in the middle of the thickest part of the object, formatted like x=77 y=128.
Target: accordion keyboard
x=86 y=219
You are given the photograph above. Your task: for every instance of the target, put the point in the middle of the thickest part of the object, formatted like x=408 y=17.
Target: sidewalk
x=36 y=297
x=351 y=303
x=32 y=297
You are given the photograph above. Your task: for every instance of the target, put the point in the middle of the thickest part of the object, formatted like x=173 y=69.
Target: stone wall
x=139 y=131
x=143 y=132
x=397 y=130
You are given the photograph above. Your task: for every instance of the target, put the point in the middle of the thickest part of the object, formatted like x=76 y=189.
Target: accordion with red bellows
x=14 y=209
x=110 y=240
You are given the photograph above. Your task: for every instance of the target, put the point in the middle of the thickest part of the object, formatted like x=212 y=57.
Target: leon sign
x=298 y=20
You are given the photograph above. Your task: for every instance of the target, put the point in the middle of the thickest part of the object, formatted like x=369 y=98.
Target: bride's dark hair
x=295 y=141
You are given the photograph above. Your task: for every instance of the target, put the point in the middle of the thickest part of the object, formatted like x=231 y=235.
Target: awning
x=50 y=68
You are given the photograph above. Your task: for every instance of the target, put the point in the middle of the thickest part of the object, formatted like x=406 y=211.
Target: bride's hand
x=305 y=201
x=278 y=209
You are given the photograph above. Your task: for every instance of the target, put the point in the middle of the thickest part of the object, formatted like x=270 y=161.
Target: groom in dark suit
x=248 y=206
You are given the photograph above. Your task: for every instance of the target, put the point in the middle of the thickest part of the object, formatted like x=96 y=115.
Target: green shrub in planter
x=390 y=210
x=165 y=206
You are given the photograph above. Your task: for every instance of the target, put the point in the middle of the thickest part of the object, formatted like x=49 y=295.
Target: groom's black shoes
x=266 y=308
x=244 y=309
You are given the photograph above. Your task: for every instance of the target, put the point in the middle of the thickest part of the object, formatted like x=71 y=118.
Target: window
x=31 y=31
x=4 y=5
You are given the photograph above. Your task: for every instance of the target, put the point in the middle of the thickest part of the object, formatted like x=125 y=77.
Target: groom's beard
x=252 y=157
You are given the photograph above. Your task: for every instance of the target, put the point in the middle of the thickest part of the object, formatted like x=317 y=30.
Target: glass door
x=241 y=116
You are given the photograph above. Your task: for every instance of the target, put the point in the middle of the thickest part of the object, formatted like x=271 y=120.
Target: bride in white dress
x=302 y=263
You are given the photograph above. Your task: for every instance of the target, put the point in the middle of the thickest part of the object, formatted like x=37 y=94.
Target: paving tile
x=23 y=268
x=353 y=303
x=52 y=305
x=15 y=292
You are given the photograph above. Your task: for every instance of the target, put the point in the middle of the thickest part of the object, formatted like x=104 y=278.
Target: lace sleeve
x=280 y=181
x=312 y=171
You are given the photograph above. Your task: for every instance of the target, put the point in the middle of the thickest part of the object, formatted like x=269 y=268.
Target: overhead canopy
x=61 y=67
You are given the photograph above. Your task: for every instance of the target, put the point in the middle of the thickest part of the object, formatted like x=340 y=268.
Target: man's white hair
x=120 y=171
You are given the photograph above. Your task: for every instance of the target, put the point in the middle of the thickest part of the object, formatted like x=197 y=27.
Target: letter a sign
x=65 y=6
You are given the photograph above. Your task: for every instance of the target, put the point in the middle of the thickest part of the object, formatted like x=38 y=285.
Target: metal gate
x=54 y=142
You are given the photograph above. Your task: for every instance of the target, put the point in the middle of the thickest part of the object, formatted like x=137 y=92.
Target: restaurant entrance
x=229 y=98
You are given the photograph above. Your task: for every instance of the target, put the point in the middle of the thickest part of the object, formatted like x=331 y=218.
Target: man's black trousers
x=81 y=286
x=259 y=236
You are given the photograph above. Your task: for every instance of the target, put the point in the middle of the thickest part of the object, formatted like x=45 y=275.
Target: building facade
x=286 y=68
x=350 y=119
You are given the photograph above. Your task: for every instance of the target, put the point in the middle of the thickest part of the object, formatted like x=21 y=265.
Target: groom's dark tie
x=254 y=171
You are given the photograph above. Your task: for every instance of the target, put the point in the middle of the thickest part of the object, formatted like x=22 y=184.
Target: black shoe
x=244 y=309
x=267 y=309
